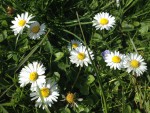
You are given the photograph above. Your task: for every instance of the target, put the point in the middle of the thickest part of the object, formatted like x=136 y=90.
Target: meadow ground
x=75 y=56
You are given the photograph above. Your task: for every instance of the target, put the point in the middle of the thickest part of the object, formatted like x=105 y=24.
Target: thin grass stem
x=76 y=78
x=133 y=45
x=131 y=40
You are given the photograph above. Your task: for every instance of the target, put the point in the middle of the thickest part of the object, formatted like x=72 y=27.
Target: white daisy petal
x=135 y=63
x=50 y=94
x=36 y=30
x=114 y=60
x=103 y=21
x=74 y=44
x=81 y=57
x=20 y=23
x=30 y=74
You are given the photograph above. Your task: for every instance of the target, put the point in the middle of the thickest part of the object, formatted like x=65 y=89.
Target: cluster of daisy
x=80 y=54
x=35 y=30
x=132 y=62
x=45 y=92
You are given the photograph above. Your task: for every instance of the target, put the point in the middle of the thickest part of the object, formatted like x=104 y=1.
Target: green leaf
x=137 y=98
x=3 y=110
x=58 y=56
x=1 y=38
x=144 y=28
x=117 y=84
x=3 y=35
x=63 y=66
x=127 y=109
x=137 y=111
x=48 y=46
x=90 y=79
x=126 y=26
x=56 y=76
x=136 y=23
x=147 y=104
x=65 y=110
x=4 y=23
x=80 y=109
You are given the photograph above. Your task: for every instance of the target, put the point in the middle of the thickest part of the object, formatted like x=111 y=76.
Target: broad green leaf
x=48 y=47
x=3 y=35
x=65 y=110
x=136 y=23
x=117 y=84
x=97 y=35
x=4 y=23
x=1 y=38
x=147 y=104
x=63 y=66
x=90 y=79
x=56 y=76
x=127 y=109
x=144 y=28
x=127 y=26
x=137 y=97
x=3 y=110
x=58 y=56
x=136 y=111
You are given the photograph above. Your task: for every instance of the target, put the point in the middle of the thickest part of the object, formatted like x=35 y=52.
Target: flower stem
x=76 y=78
x=17 y=40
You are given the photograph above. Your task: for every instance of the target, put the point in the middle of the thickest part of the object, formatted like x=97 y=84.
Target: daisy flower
x=80 y=56
x=135 y=64
x=36 y=30
x=49 y=93
x=103 y=21
x=20 y=22
x=33 y=73
x=74 y=45
x=105 y=53
x=115 y=60
x=71 y=99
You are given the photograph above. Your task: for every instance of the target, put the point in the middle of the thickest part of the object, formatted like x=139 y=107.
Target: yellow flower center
x=45 y=92
x=104 y=21
x=35 y=29
x=75 y=45
x=70 y=98
x=33 y=76
x=134 y=63
x=116 y=59
x=21 y=23
x=81 y=56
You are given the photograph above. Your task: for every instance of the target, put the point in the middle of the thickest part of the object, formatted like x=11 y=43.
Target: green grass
x=110 y=91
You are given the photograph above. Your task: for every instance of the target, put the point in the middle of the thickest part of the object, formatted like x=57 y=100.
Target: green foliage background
x=120 y=91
